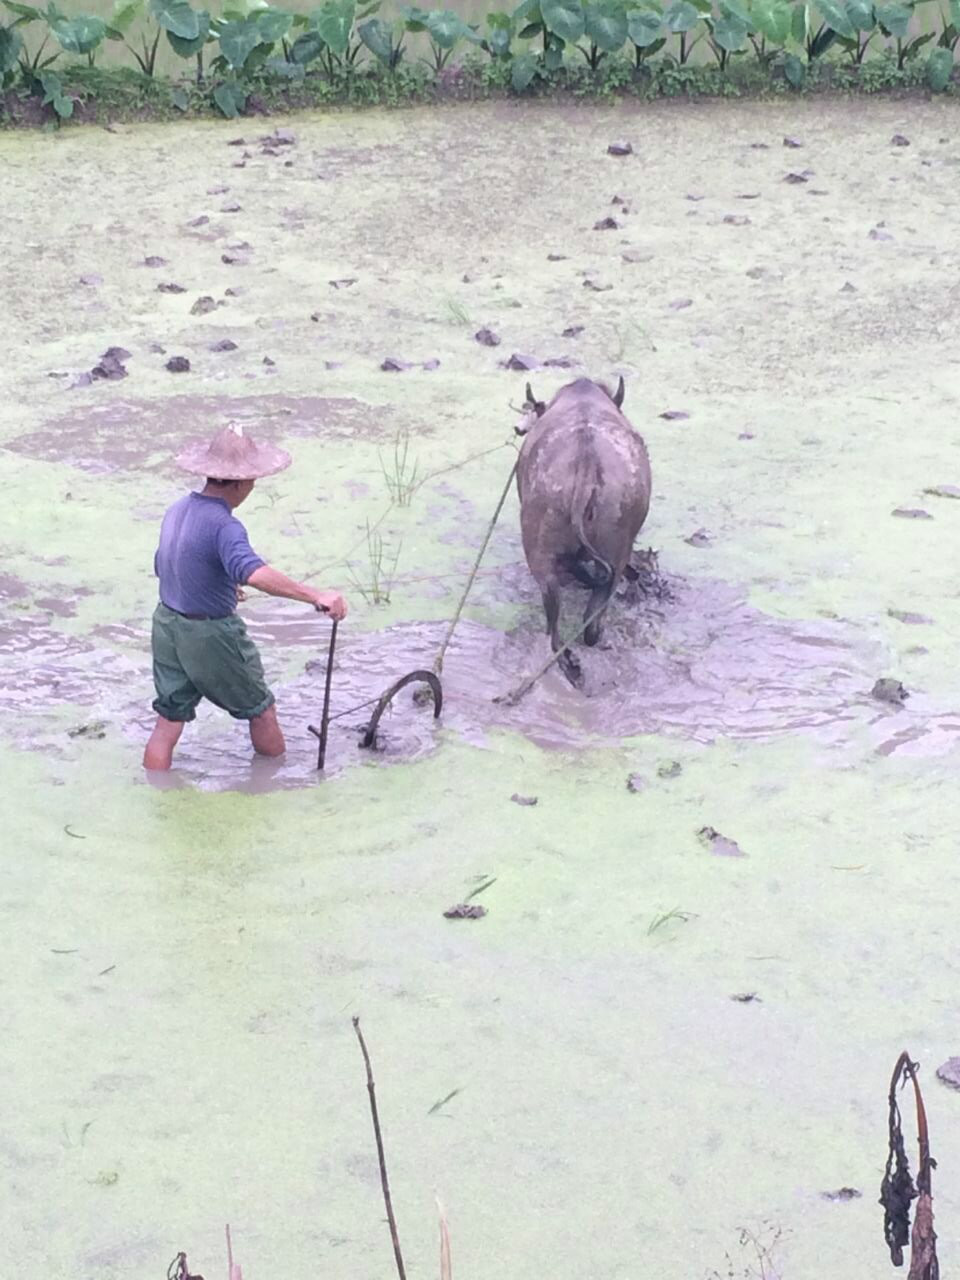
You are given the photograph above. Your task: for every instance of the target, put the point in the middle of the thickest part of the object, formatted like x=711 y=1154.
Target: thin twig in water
x=384 y=1181
x=480 y=888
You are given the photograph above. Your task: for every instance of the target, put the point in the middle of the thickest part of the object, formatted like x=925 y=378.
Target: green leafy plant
x=187 y=29
x=605 y=26
x=385 y=40
x=729 y=31
x=500 y=35
x=444 y=30
x=681 y=18
x=54 y=95
x=644 y=31
x=771 y=26
x=329 y=36
x=11 y=45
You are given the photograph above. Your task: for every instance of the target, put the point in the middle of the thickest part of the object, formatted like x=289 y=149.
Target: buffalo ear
x=538 y=407
x=618 y=394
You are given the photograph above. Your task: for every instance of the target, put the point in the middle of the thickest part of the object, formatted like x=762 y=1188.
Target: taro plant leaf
x=446 y=28
x=800 y=23
x=528 y=11
x=231 y=98
x=10 y=46
x=176 y=16
x=125 y=12
x=81 y=34
x=729 y=33
x=553 y=53
x=954 y=8
x=272 y=24
x=378 y=38
x=522 y=71
x=861 y=15
x=238 y=39
x=680 y=17
x=835 y=16
x=180 y=99
x=772 y=19
x=334 y=22
x=939 y=69
x=606 y=25
x=54 y=95
x=497 y=42
x=11 y=43
x=643 y=26
x=25 y=12
x=190 y=48
x=563 y=18
x=795 y=71
x=307 y=47
x=894 y=19
x=734 y=9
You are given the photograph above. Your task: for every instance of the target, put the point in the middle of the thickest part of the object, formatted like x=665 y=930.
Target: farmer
x=200 y=645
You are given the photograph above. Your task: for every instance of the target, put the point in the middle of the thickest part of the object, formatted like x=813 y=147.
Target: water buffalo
x=584 y=484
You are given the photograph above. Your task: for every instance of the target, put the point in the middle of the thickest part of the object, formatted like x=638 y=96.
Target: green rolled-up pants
x=210 y=658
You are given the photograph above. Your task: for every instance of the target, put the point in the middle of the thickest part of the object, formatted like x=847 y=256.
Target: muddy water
x=180 y=966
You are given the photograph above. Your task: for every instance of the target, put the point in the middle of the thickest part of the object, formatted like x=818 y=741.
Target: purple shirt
x=204 y=555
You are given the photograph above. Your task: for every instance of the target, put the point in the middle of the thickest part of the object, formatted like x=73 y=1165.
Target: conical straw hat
x=231 y=455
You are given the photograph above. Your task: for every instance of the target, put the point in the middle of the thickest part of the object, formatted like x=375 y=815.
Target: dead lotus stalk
x=898 y=1190
x=384 y=1181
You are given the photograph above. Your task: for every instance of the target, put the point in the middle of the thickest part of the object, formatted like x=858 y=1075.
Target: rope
x=438 y=663
x=523 y=688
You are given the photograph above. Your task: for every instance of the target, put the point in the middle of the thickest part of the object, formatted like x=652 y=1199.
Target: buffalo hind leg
x=567 y=662
x=599 y=599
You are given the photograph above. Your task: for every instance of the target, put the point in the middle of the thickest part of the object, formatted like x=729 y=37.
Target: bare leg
x=567 y=663
x=266 y=734
x=598 y=596
x=159 y=750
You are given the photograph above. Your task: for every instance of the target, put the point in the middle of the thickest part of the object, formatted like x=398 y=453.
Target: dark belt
x=199 y=617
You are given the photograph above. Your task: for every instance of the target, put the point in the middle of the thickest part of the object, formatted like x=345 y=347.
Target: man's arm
x=275 y=583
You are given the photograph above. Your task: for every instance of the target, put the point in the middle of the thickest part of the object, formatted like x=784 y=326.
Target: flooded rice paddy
x=181 y=962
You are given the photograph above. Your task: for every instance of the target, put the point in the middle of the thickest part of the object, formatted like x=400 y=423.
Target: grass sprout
x=381 y=569
x=665 y=917
x=399 y=472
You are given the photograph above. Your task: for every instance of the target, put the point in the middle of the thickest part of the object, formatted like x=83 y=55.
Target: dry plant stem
x=438 y=664
x=384 y=1181
x=523 y=688
x=446 y=1267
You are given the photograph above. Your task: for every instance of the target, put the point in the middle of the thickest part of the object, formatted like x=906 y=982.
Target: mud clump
x=889 y=690
x=487 y=338
x=526 y=802
x=178 y=364
x=636 y=783
x=949 y=1073
x=110 y=367
x=620 y=148
x=719 y=844
x=842 y=1193
x=465 y=911
x=203 y=306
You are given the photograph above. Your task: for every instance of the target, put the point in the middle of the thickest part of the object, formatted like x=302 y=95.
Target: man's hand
x=241 y=595
x=331 y=602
